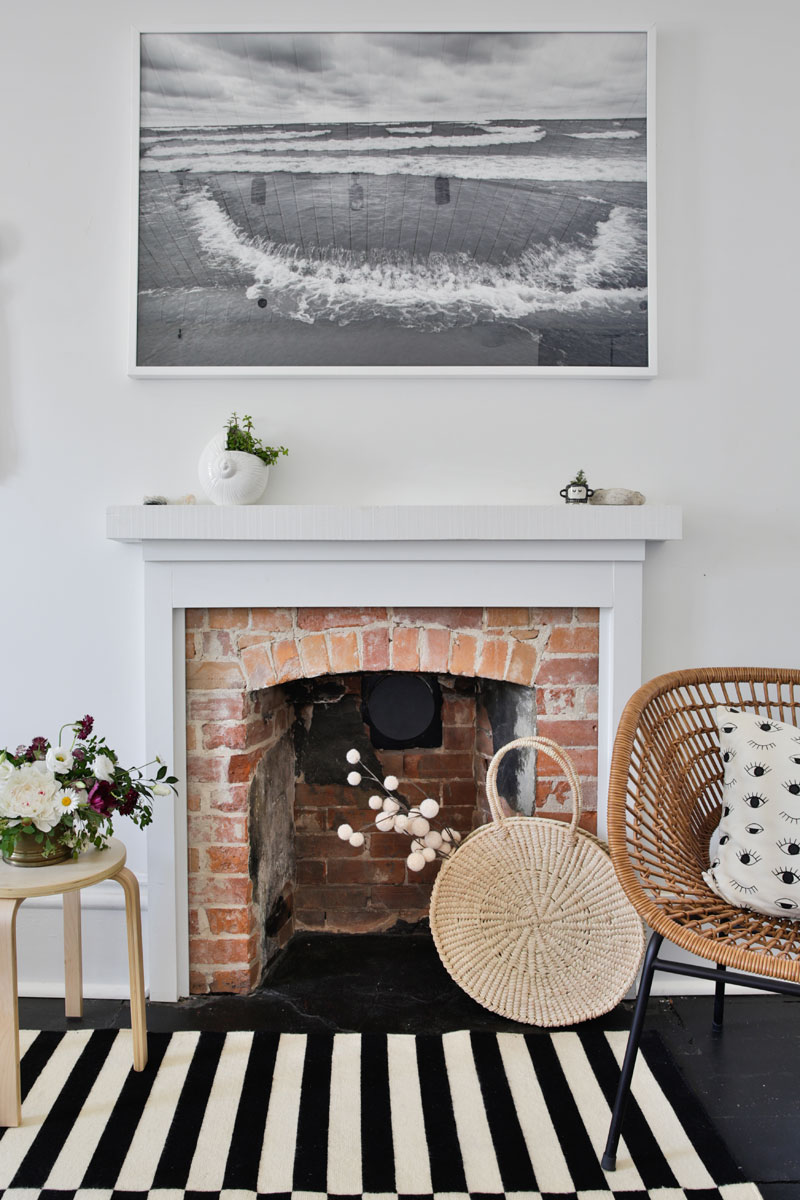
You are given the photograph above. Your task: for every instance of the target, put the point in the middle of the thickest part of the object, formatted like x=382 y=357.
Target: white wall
x=715 y=432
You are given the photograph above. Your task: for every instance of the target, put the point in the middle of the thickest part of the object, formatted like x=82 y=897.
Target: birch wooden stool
x=16 y=885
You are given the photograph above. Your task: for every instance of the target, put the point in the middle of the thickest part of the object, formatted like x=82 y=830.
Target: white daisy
x=67 y=799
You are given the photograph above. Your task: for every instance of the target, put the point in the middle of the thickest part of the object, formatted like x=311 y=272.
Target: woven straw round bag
x=528 y=916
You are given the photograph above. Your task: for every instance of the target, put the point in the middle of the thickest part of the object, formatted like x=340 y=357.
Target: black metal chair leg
x=609 y=1160
x=719 y=1001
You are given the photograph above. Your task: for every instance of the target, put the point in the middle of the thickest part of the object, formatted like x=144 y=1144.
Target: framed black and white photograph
x=327 y=202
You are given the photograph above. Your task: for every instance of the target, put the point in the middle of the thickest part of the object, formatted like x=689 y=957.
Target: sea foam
x=607 y=135
x=454 y=166
x=440 y=291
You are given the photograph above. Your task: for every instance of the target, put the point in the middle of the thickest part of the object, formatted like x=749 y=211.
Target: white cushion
x=756 y=856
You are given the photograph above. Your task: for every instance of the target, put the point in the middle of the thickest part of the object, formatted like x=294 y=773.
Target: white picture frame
x=352 y=262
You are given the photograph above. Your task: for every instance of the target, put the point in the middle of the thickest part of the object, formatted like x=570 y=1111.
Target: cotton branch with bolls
x=430 y=838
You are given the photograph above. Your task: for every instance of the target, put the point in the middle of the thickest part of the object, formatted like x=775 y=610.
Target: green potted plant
x=577 y=490
x=234 y=466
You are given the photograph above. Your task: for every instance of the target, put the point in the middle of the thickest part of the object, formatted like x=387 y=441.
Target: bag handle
x=552 y=750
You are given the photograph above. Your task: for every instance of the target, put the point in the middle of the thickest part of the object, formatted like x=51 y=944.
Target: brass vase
x=28 y=852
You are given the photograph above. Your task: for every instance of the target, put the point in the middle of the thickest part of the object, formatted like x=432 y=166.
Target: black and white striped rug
x=251 y=1116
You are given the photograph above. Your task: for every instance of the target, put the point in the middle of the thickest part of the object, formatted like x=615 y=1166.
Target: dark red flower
x=127 y=804
x=101 y=798
x=78 y=754
x=86 y=727
x=37 y=749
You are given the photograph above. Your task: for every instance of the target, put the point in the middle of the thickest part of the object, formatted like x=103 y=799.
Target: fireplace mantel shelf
x=339 y=523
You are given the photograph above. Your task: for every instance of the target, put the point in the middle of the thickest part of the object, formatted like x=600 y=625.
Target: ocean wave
x=606 y=273
x=455 y=166
x=357 y=145
x=409 y=128
x=234 y=136
x=607 y=135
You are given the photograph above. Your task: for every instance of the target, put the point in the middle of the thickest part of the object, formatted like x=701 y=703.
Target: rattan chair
x=664 y=803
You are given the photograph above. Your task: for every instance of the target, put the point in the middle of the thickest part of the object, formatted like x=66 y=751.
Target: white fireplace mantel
x=272 y=556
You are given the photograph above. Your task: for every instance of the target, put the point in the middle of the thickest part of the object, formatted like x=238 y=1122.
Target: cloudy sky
x=254 y=78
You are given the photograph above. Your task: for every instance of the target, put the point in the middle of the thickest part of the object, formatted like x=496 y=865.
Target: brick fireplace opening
x=275 y=698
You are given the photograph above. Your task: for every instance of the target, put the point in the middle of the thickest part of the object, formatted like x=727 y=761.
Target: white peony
x=59 y=759
x=103 y=768
x=28 y=793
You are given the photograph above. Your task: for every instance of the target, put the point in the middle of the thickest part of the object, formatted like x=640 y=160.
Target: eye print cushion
x=756 y=863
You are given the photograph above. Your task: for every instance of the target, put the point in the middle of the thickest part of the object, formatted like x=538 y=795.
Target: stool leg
x=10 y=1113
x=73 y=955
x=609 y=1160
x=133 y=919
x=719 y=1000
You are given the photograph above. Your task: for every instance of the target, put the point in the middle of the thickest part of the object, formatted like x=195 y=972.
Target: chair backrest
x=665 y=789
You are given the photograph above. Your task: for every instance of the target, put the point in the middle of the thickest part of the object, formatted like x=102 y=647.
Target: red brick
x=558 y=701
x=309 y=871
x=191 y=648
x=198 y=983
x=314 y=795
x=212 y=707
x=194 y=860
x=229 y=920
x=206 y=676
x=434 y=649
x=375 y=644
x=234 y=737
x=574 y=639
x=458 y=710
x=444 y=765
x=405 y=649
x=403 y=895
x=275 y=620
x=234 y=798
x=227 y=860
x=590 y=700
x=286 y=658
x=210 y=889
x=314 y=655
x=567 y=670
x=310 y=820
x=522 y=665
x=191 y=737
x=195 y=618
x=241 y=767
x=228 y=618
x=310 y=918
x=239 y=982
x=365 y=871
x=338 y=618
x=258 y=666
x=324 y=846
x=344 y=653
x=207 y=828
x=205 y=769
x=194 y=921
x=450 y=618
x=506 y=618
x=195 y=794
x=552 y=616
x=332 y=897
x=459 y=792
x=568 y=733
x=458 y=737
x=492 y=662
x=361 y=920
x=587 y=616
x=217 y=644
x=219 y=950
x=463 y=652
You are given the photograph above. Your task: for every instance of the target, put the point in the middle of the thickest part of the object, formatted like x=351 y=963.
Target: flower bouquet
x=55 y=800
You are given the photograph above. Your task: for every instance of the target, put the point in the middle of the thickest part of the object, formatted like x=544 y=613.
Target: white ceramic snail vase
x=231 y=476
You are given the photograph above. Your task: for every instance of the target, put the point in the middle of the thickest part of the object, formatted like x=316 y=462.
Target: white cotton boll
x=447 y=835
x=354 y=779
x=384 y=822
x=413 y=812
x=391 y=783
x=434 y=839
x=429 y=808
x=416 y=844
x=345 y=832
x=456 y=836
x=353 y=757
x=428 y=853
x=375 y=802
x=356 y=839
x=446 y=849
x=415 y=861
x=419 y=826
x=390 y=805
x=400 y=822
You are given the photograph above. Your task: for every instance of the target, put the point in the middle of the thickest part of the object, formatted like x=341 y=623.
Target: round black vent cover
x=403 y=710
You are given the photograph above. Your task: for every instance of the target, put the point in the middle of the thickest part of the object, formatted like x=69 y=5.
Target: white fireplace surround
x=287 y=556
